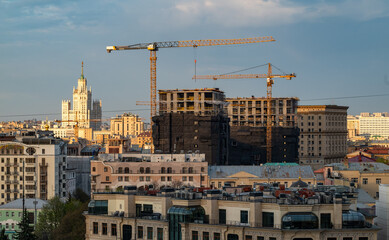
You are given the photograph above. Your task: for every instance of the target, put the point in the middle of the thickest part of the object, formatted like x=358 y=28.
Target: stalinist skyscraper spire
x=84 y=110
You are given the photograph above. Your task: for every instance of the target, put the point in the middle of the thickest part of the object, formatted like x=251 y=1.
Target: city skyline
x=333 y=47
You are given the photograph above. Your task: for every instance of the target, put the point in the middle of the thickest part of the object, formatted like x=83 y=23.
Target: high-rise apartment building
x=323 y=134
x=36 y=163
x=127 y=125
x=253 y=111
x=84 y=110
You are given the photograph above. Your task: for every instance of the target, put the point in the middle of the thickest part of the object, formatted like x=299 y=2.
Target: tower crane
x=154 y=46
x=269 y=76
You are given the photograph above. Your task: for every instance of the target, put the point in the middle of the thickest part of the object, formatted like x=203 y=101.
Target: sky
x=337 y=48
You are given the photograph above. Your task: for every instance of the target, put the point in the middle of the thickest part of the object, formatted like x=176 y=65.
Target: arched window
x=126 y=170
x=169 y=170
x=184 y=170
x=190 y=170
x=120 y=170
x=148 y=170
x=163 y=170
x=141 y=170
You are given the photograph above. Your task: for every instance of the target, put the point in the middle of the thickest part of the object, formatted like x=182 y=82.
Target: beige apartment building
x=127 y=125
x=253 y=111
x=189 y=215
x=374 y=125
x=205 y=101
x=156 y=169
x=365 y=175
x=43 y=163
x=352 y=126
x=323 y=134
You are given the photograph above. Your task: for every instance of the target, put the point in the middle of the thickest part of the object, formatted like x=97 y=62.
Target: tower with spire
x=84 y=109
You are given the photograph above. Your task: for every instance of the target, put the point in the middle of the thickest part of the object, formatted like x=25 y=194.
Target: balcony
x=15 y=182
x=7 y=190
x=8 y=181
x=43 y=164
x=15 y=190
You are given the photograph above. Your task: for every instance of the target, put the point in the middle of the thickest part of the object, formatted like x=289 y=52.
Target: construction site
x=229 y=131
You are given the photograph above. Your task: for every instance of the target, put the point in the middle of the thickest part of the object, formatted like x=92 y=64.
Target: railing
x=7 y=190
x=8 y=181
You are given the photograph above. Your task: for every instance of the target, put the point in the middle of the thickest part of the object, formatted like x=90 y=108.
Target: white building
x=374 y=125
x=84 y=110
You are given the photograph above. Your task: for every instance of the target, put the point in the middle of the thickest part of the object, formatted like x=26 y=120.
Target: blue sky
x=337 y=48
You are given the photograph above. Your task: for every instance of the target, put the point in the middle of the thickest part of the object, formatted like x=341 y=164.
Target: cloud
x=232 y=13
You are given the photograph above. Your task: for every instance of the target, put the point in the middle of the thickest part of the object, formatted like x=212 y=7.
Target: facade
x=374 y=125
x=127 y=125
x=253 y=111
x=12 y=212
x=81 y=166
x=278 y=214
x=158 y=170
x=352 y=126
x=84 y=110
x=206 y=101
x=382 y=212
x=248 y=145
x=323 y=134
x=192 y=133
x=43 y=161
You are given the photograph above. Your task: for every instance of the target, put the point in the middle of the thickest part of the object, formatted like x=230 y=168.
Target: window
x=159 y=233
x=93 y=169
x=222 y=216
x=364 y=181
x=162 y=179
x=141 y=178
x=244 y=217
x=149 y=233
x=272 y=238
x=195 y=235
x=363 y=238
x=331 y=238
x=378 y=181
x=205 y=235
x=107 y=178
x=184 y=178
x=43 y=151
x=148 y=178
x=113 y=230
x=325 y=220
x=260 y=238
x=347 y=238
x=105 y=169
x=216 y=236
x=140 y=232
x=249 y=237
x=105 y=229
x=190 y=178
x=169 y=179
x=95 y=228
x=268 y=219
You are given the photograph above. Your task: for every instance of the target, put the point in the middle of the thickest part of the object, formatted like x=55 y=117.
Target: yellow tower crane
x=154 y=46
x=269 y=76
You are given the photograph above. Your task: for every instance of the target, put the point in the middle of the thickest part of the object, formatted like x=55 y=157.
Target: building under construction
x=197 y=120
x=192 y=120
x=253 y=111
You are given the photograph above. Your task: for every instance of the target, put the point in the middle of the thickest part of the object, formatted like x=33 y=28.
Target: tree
x=3 y=236
x=72 y=225
x=26 y=232
x=81 y=195
x=50 y=217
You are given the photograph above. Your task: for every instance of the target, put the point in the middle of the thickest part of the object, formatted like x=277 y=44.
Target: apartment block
x=160 y=170
x=127 y=125
x=37 y=164
x=252 y=111
x=206 y=101
x=274 y=213
x=323 y=134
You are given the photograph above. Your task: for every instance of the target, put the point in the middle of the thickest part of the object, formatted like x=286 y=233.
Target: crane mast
x=269 y=84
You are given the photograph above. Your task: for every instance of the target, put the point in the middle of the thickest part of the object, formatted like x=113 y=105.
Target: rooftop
x=29 y=204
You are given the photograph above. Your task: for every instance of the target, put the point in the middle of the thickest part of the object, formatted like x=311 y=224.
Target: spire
x=82 y=70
